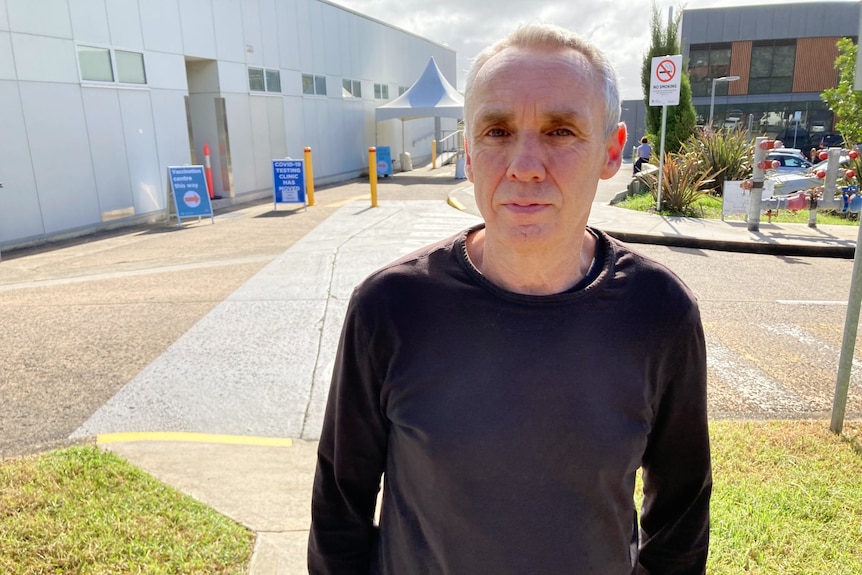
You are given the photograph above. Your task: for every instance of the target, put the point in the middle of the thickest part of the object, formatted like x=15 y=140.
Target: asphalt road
x=774 y=328
x=82 y=318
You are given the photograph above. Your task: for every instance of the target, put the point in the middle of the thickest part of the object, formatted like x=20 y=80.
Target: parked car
x=828 y=140
x=788 y=182
x=733 y=123
x=798 y=138
x=790 y=161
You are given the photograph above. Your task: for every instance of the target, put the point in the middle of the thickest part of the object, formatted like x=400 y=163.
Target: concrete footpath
x=229 y=409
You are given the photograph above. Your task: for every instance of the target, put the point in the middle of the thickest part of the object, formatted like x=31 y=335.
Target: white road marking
x=757 y=387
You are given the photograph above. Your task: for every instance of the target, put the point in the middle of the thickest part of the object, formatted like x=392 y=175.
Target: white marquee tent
x=429 y=96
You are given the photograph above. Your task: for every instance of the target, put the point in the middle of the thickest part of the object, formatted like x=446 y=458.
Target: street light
x=712 y=94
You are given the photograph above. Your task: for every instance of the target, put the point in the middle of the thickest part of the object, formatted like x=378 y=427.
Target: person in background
x=508 y=383
x=644 y=152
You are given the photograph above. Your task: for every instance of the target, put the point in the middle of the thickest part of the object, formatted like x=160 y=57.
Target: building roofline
x=387 y=24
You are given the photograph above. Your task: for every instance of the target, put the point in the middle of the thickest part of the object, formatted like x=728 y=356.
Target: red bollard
x=208 y=170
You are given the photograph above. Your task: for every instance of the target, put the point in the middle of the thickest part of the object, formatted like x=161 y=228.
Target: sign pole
x=661 y=158
x=851 y=323
x=664 y=91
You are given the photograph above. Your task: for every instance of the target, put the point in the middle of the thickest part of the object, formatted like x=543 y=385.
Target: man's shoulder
x=646 y=275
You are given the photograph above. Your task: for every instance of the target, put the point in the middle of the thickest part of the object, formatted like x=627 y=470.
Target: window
x=313 y=85
x=402 y=89
x=130 y=67
x=772 y=67
x=106 y=65
x=256 y=82
x=351 y=88
x=95 y=64
x=705 y=62
x=381 y=91
x=264 y=80
x=273 y=81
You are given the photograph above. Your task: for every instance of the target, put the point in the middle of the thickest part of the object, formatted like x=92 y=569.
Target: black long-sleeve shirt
x=510 y=427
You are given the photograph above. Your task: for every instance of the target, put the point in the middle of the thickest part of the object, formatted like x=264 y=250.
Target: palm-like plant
x=683 y=182
x=723 y=153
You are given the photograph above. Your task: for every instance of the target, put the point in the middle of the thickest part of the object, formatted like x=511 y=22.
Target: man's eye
x=562 y=132
x=497 y=132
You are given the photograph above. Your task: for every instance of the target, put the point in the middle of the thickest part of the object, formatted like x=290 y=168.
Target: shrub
x=723 y=153
x=683 y=182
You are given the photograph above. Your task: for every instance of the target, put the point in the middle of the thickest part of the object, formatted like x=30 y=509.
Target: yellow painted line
x=193 y=438
x=456 y=204
x=340 y=203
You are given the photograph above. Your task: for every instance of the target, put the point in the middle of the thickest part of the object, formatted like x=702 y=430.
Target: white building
x=99 y=97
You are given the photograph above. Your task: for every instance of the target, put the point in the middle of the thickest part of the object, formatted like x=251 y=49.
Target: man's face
x=536 y=145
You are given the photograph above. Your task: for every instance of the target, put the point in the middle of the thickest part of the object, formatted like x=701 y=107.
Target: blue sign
x=288 y=181
x=189 y=189
x=384 y=161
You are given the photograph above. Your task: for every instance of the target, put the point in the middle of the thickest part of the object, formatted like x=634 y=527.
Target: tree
x=681 y=118
x=844 y=100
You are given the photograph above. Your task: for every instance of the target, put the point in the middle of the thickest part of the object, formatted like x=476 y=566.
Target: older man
x=509 y=382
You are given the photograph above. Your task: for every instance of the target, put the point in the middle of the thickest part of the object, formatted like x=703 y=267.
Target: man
x=644 y=152
x=508 y=382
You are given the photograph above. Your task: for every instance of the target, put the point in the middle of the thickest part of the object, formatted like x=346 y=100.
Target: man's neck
x=535 y=271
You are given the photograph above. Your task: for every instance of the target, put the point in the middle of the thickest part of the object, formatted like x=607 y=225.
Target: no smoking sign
x=665 y=81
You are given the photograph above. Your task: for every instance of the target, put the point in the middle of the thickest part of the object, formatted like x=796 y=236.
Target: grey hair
x=551 y=36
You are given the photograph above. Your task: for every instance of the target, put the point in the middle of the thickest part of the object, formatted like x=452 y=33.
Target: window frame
x=314 y=82
x=714 y=60
x=352 y=87
x=762 y=72
x=263 y=83
x=115 y=66
x=381 y=91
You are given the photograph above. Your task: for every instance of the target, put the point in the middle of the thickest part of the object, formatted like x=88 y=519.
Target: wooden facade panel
x=814 y=70
x=740 y=64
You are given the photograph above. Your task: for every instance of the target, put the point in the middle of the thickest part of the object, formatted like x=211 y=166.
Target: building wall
x=77 y=155
x=811 y=28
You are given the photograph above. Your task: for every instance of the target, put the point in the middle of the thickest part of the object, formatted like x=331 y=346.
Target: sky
x=620 y=27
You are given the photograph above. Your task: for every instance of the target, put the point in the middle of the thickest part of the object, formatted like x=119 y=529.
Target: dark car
x=798 y=138
x=828 y=140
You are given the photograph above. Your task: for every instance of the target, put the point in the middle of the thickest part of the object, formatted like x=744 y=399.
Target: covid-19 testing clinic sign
x=288 y=181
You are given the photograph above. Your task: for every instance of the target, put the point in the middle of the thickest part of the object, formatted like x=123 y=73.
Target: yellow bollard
x=433 y=154
x=309 y=177
x=372 y=174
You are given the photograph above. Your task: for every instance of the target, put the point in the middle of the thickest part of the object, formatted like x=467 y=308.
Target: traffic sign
x=665 y=80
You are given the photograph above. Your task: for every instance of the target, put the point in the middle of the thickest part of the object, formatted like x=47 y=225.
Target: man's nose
x=526 y=163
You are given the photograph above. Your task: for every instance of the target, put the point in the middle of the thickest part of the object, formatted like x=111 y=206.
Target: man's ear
x=615 y=144
x=468 y=164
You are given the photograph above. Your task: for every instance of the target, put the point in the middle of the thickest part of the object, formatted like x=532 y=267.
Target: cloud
x=619 y=28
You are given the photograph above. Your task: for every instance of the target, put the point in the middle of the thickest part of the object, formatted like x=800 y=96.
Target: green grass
x=82 y=510
x=709 y=207
x=787 y=499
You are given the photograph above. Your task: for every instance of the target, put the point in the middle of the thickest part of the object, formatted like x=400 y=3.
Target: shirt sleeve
x=350 y=461
x=677 y=470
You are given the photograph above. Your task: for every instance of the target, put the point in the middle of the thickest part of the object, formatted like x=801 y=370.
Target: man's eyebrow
x=493 y=117
x=564 y=117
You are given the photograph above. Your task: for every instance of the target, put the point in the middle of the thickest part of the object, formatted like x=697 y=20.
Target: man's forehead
x=503 y=111
x=533 y=58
